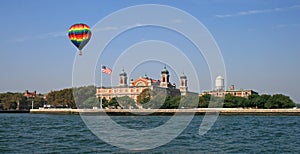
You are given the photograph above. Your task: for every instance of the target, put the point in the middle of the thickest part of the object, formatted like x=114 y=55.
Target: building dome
x=164 y=71
x=219 y=78
x=123 y=73
x=146 y=76
x=220 y=83
x=183 y=76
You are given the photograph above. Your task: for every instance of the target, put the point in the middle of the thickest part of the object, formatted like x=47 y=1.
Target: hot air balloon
x=80 y=35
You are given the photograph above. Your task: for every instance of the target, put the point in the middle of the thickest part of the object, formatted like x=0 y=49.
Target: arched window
x=140 y=83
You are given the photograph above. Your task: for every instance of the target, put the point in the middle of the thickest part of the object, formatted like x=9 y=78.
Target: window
x=140 y=83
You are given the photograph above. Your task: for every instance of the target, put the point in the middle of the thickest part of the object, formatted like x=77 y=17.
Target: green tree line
x=263 y=101
x=17 y=101
x=85 y=98
x=148 y=99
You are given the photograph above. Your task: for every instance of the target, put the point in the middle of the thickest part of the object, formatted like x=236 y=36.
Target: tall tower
x=164 y=78
x=183 y=84
x=220 y=83
x=123 y=79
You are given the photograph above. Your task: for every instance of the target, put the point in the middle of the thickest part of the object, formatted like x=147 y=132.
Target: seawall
x=14 y=111
x=197 y=111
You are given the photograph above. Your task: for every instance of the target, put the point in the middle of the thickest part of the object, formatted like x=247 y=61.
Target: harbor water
x=49 y=133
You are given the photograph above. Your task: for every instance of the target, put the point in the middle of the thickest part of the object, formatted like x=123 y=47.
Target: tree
x=216 y=102
x=91 y=102
x=126 y=102
x=38 y=101
x=104 y=103
x=254 y=101
x=20 y=100
x=230 y=101
x=151 y=99
x=81 y=94
x=144 y=96
x=204 y=101
x=190 y=100
x=61 y=98
x=173 y=102
x=155 y=100
x=262 y=100
x=279 y=101
x=167 y=103
x=13 y=101
x=242 y=102
x=113 y=103
x=208 y=100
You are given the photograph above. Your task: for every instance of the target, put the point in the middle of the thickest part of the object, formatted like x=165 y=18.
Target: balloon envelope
x=79 y=34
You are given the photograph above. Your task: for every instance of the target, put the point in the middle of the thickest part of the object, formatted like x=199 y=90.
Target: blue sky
x=259 y=41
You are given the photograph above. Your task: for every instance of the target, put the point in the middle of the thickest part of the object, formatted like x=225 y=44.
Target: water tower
x=220 y=83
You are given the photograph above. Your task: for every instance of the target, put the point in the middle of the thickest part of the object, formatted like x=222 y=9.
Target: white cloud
x=250 y=12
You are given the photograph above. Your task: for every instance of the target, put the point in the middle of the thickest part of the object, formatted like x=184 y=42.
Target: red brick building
x=136 y=86
x=30 y=94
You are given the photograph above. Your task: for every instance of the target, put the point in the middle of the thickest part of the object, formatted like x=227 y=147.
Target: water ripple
x=39 y=133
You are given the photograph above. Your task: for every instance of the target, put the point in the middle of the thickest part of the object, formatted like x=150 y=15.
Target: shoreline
x=14 y=111
x=149 y=112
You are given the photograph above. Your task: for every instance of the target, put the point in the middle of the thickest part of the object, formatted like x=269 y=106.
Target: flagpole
x=101 y=90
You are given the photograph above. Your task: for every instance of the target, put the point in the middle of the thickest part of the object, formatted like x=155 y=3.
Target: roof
x=29 y=94
x=165 y=70
x=123 y=73
x=219 y=77
x=183 y=76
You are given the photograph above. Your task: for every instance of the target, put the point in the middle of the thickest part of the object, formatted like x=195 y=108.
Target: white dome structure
x=220 y=83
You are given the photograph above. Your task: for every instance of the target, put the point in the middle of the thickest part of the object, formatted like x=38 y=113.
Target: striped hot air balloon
x=80 y=35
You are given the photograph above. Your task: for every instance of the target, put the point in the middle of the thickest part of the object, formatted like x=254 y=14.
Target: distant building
x=30 y=94
x=220 y=90
x=220 y=83
x=136 y=86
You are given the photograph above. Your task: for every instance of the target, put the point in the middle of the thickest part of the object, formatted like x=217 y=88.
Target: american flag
x=106 y=70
